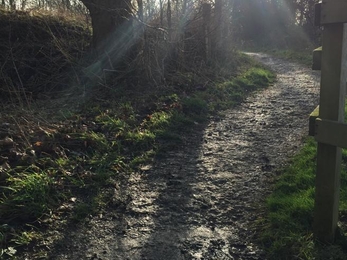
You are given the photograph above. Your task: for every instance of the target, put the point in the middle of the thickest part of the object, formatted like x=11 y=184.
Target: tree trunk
x=113 y=33
x=110 y=22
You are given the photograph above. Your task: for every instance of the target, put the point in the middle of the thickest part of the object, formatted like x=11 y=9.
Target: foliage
x=28 y=192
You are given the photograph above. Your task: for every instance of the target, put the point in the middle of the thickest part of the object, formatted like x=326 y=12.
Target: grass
x=287 y=228
x=28 y=193
x=300 y=56
x=229 y=93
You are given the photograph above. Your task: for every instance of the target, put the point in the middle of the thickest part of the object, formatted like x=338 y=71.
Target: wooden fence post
x=331 y=117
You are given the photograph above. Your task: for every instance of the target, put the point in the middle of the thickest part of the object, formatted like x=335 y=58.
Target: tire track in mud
x=200 y=202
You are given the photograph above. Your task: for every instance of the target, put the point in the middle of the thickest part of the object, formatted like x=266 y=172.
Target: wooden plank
x=312 y=122
x=333 y=12
x=317 y=59
x=331 y=107
x=331 y=132
x=327 y=192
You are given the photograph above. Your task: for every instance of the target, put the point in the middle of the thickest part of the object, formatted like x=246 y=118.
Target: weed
x=195 y=105
x=180 y=121
x=258 y=77
x=29 y=197
x=158 y=120
x=112 y=124
x=229 y=93
x=26 y=237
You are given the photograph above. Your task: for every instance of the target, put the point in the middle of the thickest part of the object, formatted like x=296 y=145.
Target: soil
x=201 y=201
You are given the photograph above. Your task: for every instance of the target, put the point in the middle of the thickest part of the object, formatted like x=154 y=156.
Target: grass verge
x=302 y=56
x=287 y=228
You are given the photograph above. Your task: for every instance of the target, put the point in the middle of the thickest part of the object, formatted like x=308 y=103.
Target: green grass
x=230 y=93
x=287 y=228
x=28 y=196
x=302 y=56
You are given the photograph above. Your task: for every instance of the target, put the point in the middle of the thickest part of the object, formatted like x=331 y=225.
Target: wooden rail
x=327 y=121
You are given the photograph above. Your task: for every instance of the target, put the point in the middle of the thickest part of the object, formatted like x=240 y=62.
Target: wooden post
x=331 y=107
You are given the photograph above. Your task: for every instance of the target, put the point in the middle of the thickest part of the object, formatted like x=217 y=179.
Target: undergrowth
x=286 y=230
x=38 y=54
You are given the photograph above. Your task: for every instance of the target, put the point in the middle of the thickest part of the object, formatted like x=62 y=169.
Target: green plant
x=258 y=77
x=195 y=105
x=26 y=237
x=140 y=138
x=29 y=196
x=158 y=120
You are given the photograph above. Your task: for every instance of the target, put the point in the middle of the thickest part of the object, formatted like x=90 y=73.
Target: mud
x=201 y=202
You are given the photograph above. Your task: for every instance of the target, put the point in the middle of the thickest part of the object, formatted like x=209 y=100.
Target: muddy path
x=200 y=202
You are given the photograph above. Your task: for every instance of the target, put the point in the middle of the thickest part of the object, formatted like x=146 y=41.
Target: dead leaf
x=38 y=144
